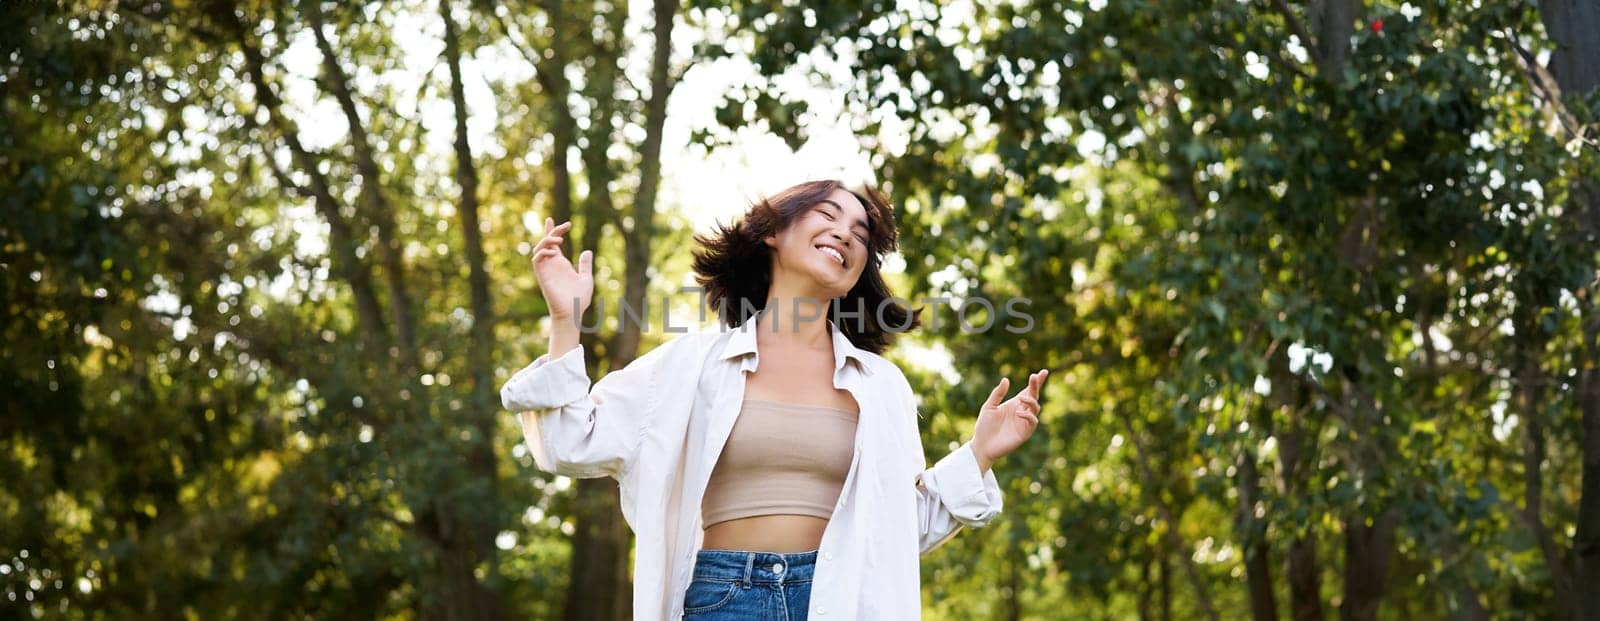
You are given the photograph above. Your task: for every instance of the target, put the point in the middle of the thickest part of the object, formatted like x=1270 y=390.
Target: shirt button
x=827 y=556
x=777 y=568
x=821 y=610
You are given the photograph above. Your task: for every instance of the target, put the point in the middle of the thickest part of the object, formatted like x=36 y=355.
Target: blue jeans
x=737 y=585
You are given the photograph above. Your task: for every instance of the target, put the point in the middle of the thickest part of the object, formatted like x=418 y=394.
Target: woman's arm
x=571 y=430
x=961 y=489
x=952 y=494
x=578 y=432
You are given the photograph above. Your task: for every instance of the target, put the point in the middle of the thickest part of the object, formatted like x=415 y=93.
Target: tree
x=259 y=306
x=1315 y=242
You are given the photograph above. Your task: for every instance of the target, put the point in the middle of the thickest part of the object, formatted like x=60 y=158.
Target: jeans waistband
x=754 y=567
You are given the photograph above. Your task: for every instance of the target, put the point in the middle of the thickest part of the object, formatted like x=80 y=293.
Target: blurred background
x=1317 y=281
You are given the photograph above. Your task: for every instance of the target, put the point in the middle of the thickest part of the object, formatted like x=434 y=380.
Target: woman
x=771 y=471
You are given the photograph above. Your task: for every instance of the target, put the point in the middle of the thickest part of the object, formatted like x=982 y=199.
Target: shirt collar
x=742 y=343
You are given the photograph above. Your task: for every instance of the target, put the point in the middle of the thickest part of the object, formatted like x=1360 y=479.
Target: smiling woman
x=782 y=459
x=738 y=263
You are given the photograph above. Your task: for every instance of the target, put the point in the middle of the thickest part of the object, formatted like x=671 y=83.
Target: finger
x=558 y=230
x=546 y=254
x=1031 y=418
x=554 y=241
x=549 y=223
x=998 y=393
x=1038 y=387
x=1029 y=404
x=586 y=263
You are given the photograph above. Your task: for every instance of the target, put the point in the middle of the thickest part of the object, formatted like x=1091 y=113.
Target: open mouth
x=832 y=254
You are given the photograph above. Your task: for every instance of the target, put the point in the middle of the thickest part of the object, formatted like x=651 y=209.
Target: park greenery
x=1317 y=282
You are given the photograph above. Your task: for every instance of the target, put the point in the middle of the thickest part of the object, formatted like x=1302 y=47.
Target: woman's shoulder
x=887 y=372
x=694 y=344
x=687 y=343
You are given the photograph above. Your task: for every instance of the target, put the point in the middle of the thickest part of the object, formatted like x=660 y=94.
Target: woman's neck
x=795 y=317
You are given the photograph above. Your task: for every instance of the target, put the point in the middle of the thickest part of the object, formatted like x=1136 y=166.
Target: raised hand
x=1002 y=427
x=567 y=290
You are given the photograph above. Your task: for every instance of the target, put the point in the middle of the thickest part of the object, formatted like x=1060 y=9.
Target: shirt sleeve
x=578 y=432
x=952 y=494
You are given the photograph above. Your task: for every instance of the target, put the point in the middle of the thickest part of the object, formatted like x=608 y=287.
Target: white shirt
x=659 y=424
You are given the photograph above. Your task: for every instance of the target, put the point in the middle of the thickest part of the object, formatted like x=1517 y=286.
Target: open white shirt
x=659 y=424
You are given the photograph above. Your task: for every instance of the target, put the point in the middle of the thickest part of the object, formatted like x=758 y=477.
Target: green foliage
x=1293 y=300
x=1230 y=250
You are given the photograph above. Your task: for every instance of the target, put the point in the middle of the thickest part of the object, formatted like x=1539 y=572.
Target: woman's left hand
x=1002 y=427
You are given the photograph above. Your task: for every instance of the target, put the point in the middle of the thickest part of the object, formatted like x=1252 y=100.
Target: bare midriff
x=784 y=534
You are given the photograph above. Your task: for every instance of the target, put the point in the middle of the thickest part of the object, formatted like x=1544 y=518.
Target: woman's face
x=826 y=244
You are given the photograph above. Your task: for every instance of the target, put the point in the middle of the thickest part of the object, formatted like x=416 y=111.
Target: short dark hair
x=734 y=265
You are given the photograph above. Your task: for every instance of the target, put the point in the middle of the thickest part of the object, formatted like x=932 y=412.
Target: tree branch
x=1548 y=89
x=341 y=240
x=467 y=209
x=637 y=239
x=1299 y=31
x=377 y=203
x=548 y=75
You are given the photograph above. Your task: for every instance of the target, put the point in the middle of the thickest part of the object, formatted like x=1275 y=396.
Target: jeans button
x=777 y=568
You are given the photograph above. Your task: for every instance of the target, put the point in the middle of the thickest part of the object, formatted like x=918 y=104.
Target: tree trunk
x=1165 y=581
x=599 y=590
x=1328 y=41
x=644 y=205
x=1145 y=589
x=1574 y=28
x=473 y=543
x=1333 y=21
x=1586 y=541
x=1368 y=549
x=1529 y=386
x=1305 y=576
x=564 y=127
x=1257 y=557
x=1462 y=601
x=480 y=357
x=1169 y=524
x=1369 y=542
x=1305 y=580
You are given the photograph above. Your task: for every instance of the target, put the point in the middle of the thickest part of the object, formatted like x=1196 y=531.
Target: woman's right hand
x=567 y=290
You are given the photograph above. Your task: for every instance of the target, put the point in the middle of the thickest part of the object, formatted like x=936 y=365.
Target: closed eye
x=858 y=227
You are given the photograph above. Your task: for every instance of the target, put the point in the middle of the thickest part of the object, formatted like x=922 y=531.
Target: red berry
x=1377 y=26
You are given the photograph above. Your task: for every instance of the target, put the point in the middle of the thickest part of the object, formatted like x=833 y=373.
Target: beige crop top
x=781 y=459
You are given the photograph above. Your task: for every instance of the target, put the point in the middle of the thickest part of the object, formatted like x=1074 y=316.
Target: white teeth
x=832 y=253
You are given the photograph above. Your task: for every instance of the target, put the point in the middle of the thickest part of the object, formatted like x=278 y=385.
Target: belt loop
x=749 y=567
